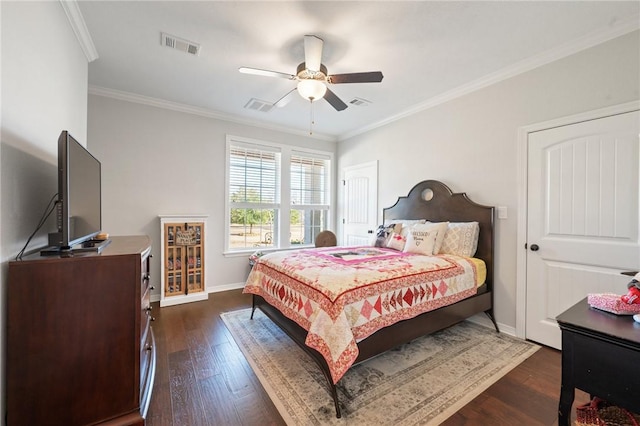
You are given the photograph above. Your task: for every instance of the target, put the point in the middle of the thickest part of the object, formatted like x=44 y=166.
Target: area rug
x=419 y=383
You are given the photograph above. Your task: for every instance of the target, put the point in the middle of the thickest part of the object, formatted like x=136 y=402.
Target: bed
x=312 y=296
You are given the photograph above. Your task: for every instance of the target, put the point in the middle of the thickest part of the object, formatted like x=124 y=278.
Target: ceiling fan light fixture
x=311 y=90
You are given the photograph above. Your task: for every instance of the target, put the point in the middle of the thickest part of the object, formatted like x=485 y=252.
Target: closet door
x=582 y=218
x=360 y=204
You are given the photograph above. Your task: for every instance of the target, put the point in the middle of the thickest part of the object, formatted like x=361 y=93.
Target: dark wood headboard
x=444 y=205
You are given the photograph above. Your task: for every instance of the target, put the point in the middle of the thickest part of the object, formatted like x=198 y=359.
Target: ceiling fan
x=312 y=76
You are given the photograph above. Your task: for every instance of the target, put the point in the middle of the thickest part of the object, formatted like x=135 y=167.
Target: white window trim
x=285 y=195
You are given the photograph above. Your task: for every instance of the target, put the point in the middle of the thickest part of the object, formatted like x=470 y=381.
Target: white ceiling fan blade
x=285 y=99
x=266 y=73
x=312 y=52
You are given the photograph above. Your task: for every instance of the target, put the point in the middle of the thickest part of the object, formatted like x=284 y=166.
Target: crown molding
x=203 y=112
x=590 y=40
x=80 y=29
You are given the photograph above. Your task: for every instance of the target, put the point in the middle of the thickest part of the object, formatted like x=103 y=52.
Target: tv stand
x=80 y=348
x=91 y=245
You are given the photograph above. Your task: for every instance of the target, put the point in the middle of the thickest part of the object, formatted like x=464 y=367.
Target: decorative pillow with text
x=421 y=240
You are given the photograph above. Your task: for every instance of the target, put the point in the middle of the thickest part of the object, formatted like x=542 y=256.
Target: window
x=277 y=196
x=254 y=175
x=309 y=204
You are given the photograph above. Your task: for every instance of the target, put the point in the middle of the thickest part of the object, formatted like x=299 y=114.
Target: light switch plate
x=502 y=212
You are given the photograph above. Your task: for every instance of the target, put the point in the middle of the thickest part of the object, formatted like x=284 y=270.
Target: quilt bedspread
x=341 y=295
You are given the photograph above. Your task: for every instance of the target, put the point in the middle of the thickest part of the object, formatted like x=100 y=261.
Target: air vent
x=180 y=44
x=359 y=102
x=258 y=105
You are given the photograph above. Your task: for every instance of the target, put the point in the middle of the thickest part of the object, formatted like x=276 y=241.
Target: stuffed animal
x=633 y=295
x=383 y=234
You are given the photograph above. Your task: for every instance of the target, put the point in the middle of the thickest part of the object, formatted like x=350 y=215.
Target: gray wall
x=44 y=90
x=470 y=143
x=158 y=161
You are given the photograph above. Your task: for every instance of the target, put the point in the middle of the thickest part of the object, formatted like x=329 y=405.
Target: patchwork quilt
x=341 y=295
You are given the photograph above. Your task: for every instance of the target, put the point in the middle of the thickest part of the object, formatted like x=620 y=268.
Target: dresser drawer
x=145 y=277
x=145 y=300
x=146 y=350
x=147 y=372
x=145 y=317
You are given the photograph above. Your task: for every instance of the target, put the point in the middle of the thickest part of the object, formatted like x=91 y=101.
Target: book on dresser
x=80 y=346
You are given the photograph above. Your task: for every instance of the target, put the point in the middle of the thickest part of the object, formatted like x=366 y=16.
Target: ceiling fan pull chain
x=311 y=121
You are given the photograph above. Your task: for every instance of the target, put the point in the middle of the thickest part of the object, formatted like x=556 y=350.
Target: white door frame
x=523 y=137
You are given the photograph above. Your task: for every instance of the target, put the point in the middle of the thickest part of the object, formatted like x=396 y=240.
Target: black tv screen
x=79 y=192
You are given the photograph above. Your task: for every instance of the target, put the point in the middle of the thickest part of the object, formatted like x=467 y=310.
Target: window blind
x=309 y=176
x=253 y=176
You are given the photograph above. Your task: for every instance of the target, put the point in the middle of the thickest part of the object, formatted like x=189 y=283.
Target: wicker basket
x=600 y=413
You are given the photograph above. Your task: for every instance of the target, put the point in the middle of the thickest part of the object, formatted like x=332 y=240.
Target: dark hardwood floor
x=202 y=378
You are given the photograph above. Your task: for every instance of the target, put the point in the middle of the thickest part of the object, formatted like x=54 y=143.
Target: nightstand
x=601 y=356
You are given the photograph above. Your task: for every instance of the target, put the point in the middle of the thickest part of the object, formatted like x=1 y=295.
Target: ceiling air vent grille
x=258 y=105
x=180 y=44
x=359 y=102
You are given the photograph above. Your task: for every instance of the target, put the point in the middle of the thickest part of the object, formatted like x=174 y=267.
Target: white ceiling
x=428 y=52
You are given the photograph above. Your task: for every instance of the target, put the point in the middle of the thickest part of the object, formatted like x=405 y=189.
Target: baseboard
x=216 y=289
x=226 y=287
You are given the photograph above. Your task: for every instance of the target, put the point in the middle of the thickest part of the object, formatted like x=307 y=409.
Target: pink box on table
x=612 y=303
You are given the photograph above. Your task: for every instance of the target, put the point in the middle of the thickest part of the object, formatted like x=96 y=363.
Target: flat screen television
x=79 y=209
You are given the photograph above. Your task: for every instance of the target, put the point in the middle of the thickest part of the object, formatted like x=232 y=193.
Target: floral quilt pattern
x=341 y=295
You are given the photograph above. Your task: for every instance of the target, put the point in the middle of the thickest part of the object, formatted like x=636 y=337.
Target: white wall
x=44 y=90
x=470 y=143
x=158 y=161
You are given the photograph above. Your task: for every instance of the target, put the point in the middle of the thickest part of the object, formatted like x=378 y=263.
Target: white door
x=582 y=217
x=360 y=204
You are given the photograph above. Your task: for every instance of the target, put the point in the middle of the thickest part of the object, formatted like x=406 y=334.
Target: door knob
x=534 y=247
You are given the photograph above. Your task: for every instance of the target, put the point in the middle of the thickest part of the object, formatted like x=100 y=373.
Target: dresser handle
x=149 y=347
x=152 y=318
x=152 y=287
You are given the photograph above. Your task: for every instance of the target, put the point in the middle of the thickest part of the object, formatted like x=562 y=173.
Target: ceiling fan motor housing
x=305 y=74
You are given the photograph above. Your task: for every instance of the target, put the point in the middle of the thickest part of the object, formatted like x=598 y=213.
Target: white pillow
x=461 y=239
x=441 y=227
x=421 y=240
x=404 y=222
x=396 y=241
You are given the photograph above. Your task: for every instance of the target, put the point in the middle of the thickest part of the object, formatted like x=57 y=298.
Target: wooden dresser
x=80 y=346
